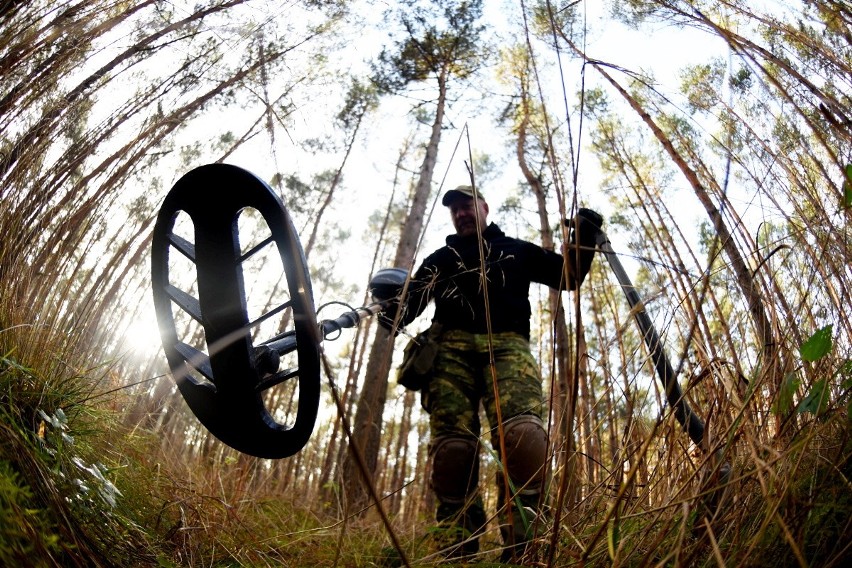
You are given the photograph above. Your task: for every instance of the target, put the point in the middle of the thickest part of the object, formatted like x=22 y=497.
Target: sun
x=140 y=337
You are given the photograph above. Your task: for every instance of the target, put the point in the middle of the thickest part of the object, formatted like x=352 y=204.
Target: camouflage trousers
x=462 y=381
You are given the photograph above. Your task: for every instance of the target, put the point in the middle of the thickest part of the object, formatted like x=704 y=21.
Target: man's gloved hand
x=387 y=316
x=385 y=286
x=584 y=229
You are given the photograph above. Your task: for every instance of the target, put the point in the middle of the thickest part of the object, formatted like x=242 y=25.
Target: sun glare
x=141 y=338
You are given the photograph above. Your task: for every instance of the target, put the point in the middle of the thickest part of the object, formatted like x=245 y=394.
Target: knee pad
x=526 y=452
x=455 y=467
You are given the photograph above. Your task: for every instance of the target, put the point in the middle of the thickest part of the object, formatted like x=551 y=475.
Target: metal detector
x=224 y=376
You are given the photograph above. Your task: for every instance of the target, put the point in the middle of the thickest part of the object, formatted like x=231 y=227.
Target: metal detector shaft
x=349 y=319
x=287 y=342
x=683 y=413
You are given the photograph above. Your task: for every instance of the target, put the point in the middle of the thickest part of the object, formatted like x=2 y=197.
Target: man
x=480 y=318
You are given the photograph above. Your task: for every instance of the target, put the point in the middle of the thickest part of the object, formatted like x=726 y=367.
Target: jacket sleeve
x=420 y=291
x=550 y=268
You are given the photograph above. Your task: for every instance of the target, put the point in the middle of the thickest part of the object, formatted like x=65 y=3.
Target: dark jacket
x=451 y=277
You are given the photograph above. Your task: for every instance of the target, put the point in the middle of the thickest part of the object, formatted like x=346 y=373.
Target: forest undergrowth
x=80 y=488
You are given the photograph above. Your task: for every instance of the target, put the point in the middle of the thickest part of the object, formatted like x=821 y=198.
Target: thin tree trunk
x=367 y=426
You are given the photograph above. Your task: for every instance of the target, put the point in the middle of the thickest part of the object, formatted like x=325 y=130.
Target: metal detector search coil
x=224 y=381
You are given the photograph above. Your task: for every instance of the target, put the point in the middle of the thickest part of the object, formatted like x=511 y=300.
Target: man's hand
x=584 y=229
x=387 y=316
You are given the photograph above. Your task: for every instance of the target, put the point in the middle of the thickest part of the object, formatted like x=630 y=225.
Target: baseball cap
x=461 y=191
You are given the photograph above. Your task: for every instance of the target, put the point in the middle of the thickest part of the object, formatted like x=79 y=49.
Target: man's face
x=463 y=212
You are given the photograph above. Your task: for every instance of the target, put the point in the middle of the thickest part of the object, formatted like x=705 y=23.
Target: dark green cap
x=459 y=192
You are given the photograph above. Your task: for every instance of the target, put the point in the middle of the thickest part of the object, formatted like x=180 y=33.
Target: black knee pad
x=526 y=452
x=455 y=467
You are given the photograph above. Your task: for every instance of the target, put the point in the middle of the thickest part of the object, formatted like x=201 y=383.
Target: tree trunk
x=367 y=427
